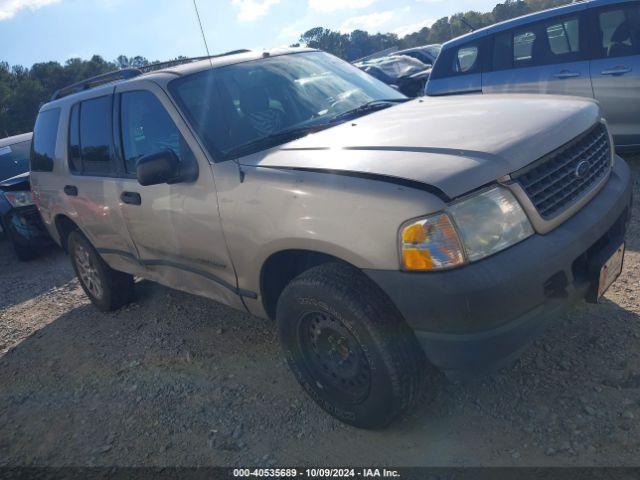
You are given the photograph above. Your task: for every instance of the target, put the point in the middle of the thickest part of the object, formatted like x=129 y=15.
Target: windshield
x=14 y=159
x=400 y=66
x=238 y=105
x=433 y=51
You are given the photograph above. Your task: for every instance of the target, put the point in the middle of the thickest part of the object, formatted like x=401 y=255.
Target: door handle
x=71 y=190
x=566 y=74
x=619 y=70
x=131 y=198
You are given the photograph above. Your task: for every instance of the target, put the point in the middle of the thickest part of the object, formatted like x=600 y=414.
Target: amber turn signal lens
x=431 y=243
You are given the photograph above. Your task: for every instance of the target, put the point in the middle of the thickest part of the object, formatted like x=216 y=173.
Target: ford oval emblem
x=582 y=169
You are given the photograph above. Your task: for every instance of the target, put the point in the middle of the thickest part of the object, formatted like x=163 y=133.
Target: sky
x=42 y=30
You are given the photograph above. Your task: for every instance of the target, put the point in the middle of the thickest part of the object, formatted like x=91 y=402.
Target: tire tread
x=358 y=293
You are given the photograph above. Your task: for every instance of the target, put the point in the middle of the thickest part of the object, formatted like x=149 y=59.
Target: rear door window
x=523 y=42
x=564 y=37
x=544 y=43
x=90 y=150
x=45 y=134
x=619 y=31
x=96 y=136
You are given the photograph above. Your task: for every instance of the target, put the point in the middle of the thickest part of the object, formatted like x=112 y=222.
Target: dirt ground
x=176 y=380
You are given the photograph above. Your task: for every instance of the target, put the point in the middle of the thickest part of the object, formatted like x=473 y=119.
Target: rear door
x=90 y=191
x=550 y=56
x=615 y=69
x=176 y=228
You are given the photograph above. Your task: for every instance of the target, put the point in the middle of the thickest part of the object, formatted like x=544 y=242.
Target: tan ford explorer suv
x=388 y=238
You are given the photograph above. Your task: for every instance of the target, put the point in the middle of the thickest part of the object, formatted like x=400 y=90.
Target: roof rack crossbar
x=96 y=81
x=127 y=73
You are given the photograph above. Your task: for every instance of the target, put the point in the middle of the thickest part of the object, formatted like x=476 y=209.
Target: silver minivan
x=589 y=49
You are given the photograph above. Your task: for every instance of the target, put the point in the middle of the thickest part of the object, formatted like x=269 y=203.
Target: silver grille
x=558 y=180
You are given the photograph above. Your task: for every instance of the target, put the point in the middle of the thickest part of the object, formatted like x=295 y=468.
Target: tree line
x=359 y=44
x=23 y=90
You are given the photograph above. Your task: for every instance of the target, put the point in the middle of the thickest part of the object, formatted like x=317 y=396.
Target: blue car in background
x=19 y=217
x=589 y=49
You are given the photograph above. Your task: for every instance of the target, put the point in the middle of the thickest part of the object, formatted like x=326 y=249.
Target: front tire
x=107 y=288
x=349 y=347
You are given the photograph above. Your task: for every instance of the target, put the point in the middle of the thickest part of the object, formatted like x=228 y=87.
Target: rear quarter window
x=45 y=134
x=461 y=60
x=466 y=59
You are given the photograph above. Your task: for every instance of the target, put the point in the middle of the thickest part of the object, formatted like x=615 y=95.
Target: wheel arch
x=64 y=226
x=281 y=267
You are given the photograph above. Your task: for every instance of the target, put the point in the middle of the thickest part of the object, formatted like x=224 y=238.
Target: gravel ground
x=176 y=380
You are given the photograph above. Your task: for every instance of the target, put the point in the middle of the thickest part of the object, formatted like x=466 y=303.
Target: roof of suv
x=184 y=69
x=532 y=17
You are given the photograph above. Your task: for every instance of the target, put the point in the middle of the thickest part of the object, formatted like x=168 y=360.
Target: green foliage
x=23 y=90
x=358 y=44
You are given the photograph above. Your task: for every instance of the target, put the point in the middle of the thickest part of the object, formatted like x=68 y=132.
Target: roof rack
x=152 y=67
x=128 y=73
x=93 y=82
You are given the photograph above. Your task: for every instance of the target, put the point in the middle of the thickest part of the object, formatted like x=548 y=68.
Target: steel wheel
x=334 y=357
x=88 y=271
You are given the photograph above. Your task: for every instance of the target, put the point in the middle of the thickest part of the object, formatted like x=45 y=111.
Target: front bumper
x=477 y=317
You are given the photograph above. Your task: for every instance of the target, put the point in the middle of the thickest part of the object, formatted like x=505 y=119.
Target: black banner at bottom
x=427 y=473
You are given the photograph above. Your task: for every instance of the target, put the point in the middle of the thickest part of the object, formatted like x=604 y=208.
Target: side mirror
x=165 y=167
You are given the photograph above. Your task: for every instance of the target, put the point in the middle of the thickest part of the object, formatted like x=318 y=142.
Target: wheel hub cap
x=88 y=271
x=334 y=357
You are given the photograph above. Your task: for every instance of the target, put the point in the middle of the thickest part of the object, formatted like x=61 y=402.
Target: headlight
x=470 y=230
x=19 y=199
x=490 y=222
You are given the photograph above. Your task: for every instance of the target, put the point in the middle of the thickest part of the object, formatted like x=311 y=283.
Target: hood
x=19 y=182
x=455 y=144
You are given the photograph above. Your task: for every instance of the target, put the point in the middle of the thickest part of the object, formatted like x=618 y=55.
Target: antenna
x=204 y=38
x=462 y=19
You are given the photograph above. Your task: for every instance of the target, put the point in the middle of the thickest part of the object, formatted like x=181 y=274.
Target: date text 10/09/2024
x=316 y=473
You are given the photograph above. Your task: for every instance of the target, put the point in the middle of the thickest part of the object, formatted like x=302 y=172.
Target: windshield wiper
x=295 y=133
x=368 y=107
x=273 y=140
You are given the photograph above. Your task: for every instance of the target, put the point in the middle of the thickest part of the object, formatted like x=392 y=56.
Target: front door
x=176 y=228
x=615 y=69
x=547 y=57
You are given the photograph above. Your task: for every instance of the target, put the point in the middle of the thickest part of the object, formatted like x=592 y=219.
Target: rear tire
x=107 y=288
x=349 y=347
